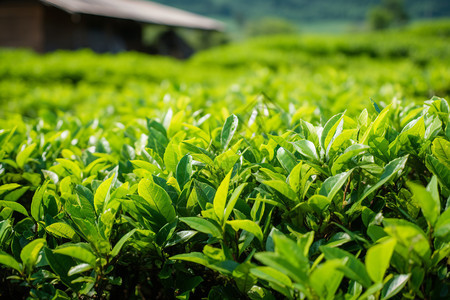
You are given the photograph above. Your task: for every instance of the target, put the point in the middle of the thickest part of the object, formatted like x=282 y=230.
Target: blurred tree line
x=305 y=10
x=267 y=17
x=389 y=13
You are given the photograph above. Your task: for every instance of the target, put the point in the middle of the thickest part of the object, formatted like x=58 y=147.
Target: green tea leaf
x=243 y=278
x=102 y=194
x=376 y=128
x=70 y=166
x=22 y=156
x=288 y=258
x=430 y=207
x=181 y=237
x=37 y=200
x=286 y=159
x=442 y=227
x=157 y=198
x=441 y=171
x=115 y=251
x=233 y=199
x=283 y=265
x=202 y=225
x=390 y=171
x=409 y=235
x=172 y=154
x=249 y=226
x=14 y=206
x=195 y=257
x=79 y=269
x=61 y=264
x=394 y=285
x=283 y=188
x=165 y=233
x=8 y=187
x=30 y=254
x=141 y=164
x=307 y=149
x=346 y=158
x=378 y=258
x=228 y=131
x=60 y=229
x=375 y=105
x=272 y=275
x=198 y=153
x=326 y=278
x=319 y=203
x=371 y=291
x=441 y=150
x=330 y=131
x=80 y=251
x=9 y=261
x=333 y=184
x=184 y=170
x=353 y=269
x=220 y=199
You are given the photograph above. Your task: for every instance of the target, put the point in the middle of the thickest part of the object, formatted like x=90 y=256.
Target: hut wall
x=61 y=30
x=101 y=34
x=21 y=25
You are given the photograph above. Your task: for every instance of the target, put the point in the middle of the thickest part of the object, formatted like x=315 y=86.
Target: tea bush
x=262 y=205
x=235 y=175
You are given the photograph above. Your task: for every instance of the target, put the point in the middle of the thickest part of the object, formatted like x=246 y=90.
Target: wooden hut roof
x=138 y=10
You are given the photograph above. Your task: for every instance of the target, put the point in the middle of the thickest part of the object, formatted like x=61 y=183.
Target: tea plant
x=259 y=205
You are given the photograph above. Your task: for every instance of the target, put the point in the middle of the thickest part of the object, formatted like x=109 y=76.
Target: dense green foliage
x=325 y=72
x=252 y=171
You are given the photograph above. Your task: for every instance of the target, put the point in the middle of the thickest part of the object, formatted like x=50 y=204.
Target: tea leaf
x=37 y=200
x=115 y=251
x=272 y=275
x=353 y=269
x=430 y=206
x=394 y=286
x=14 y=206
x=283 y=188
x=184 y=170
x=9 y=261
x=157 y=198
x=9 y=187
x=102 y=194
x=228 y=130
x=378 y=258
x=286 y=159
x=30 y=254
x=333 y=184
x=22 y=156
x=79 y=251
x=439 y=169
x=326 y=278
x=61 y=230
x=441 y=150
x=220 y=198
x=233 y=199
x=79 y=269
x=249 y=226
x=202 y=225
x=390 y=171
x=307 y=149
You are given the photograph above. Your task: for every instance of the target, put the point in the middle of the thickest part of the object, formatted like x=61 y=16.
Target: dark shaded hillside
x=305 y=10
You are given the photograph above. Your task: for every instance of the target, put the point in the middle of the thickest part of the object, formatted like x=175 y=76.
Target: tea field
x=290 y=167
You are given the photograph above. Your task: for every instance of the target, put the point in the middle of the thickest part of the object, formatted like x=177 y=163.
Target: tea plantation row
x=350 y=208
x=256 y=172
x=329 y=73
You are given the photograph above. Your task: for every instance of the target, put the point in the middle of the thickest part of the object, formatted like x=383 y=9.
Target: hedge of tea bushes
x=260 y=204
